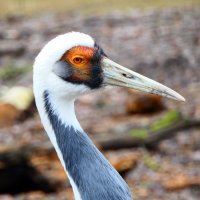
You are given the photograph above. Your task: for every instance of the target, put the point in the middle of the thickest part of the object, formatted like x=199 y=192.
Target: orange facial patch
x=80 y=59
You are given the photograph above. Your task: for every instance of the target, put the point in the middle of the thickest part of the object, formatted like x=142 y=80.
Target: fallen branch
x=148 y=136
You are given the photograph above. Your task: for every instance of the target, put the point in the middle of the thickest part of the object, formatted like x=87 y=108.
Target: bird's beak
x=115 y=74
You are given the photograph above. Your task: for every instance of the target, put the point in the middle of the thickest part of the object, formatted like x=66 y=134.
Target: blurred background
x=153 y=142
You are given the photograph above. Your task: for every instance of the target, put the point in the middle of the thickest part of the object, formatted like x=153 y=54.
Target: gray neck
x=92 y=174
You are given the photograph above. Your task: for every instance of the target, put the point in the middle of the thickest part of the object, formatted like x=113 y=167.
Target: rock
x=19 y=97
x=123 y=160
x=13 y=103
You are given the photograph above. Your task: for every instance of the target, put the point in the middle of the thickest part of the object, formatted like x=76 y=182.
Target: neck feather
x=91 y=175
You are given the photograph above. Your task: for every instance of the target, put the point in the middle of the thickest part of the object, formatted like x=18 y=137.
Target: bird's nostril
x=127 y=75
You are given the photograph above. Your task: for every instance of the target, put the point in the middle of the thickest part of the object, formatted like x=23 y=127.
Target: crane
x=68 y=66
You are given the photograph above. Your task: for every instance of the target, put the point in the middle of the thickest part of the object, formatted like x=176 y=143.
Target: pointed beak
x=117 y=75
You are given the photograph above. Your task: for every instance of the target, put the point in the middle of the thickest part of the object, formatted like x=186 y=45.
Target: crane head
x=72 y=64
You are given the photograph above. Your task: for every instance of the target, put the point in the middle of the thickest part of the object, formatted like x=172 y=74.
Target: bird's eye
x=78 y=60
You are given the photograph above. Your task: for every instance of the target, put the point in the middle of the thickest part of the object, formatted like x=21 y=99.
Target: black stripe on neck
x=94 y=177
